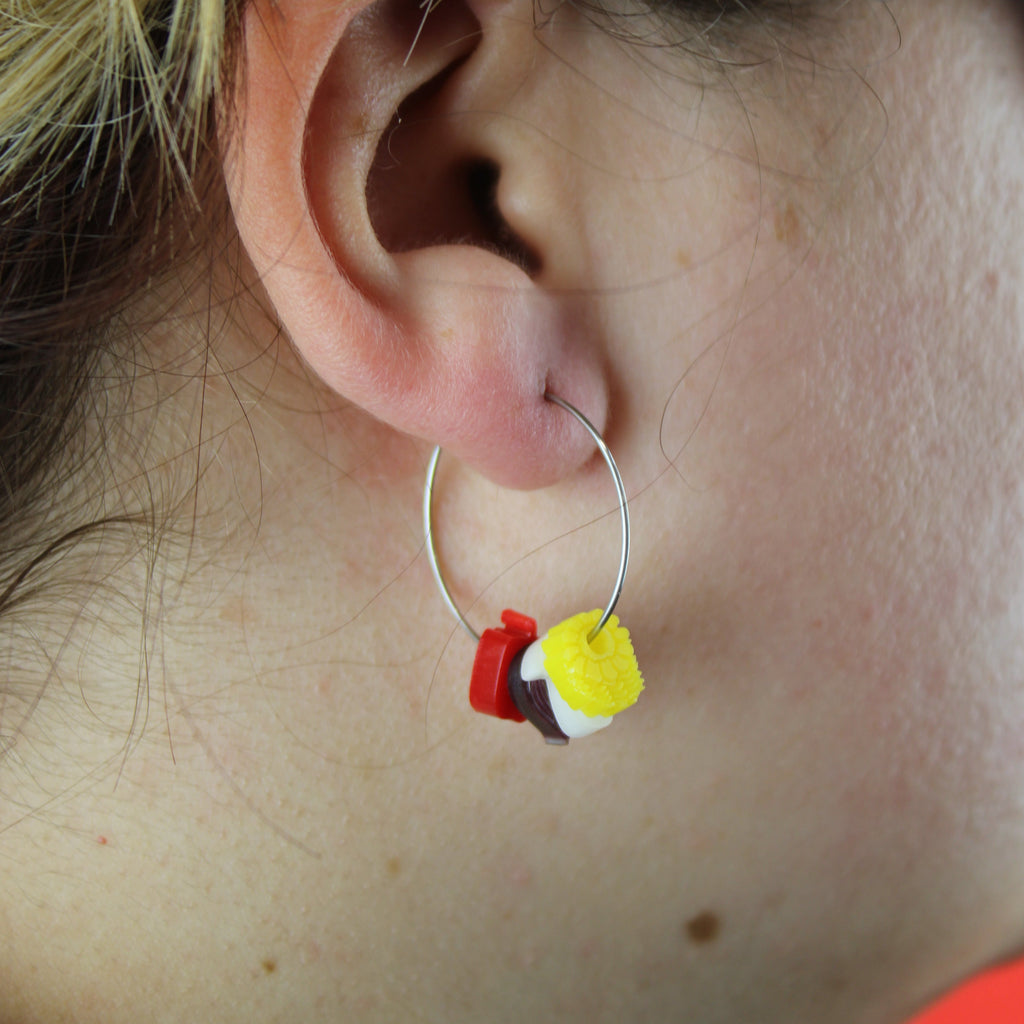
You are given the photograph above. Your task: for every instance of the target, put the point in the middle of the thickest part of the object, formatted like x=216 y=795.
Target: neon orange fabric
x=996 y=997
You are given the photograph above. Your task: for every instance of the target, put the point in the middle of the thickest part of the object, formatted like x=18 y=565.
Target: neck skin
x=294 y=810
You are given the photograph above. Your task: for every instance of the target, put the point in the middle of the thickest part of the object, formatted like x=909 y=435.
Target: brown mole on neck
x=704 y=927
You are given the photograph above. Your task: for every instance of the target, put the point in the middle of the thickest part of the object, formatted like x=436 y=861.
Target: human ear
x=404 y=232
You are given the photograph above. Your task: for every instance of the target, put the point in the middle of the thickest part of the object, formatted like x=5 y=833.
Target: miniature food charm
x=574 y=679
x=570 y=687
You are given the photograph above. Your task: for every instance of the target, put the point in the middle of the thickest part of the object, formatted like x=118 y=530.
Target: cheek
x=834 y=547
x=834 y=561
x=855 y=478
x=833 y=374
x=820 y=420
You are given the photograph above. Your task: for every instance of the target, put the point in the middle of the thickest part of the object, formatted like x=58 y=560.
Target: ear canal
x=421 y=193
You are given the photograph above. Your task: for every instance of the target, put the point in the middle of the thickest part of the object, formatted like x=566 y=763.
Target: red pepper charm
x=488 y=686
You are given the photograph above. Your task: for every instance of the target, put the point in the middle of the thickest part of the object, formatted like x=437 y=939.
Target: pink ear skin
x=408 y=292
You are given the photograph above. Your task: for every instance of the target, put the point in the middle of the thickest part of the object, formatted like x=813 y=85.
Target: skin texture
x=801 y=284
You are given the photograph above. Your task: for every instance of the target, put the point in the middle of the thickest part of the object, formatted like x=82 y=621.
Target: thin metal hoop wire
x=620 y=490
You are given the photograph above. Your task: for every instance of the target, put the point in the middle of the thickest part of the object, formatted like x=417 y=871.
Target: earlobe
x=367 y=196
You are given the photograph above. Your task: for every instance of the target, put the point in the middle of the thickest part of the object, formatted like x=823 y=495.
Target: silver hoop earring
x=574 y=679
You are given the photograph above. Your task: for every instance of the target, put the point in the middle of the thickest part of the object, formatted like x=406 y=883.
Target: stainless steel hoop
x=620 y=490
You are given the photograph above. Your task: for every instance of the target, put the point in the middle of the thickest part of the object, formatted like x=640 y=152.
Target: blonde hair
x=106 y=147
x=66 y=65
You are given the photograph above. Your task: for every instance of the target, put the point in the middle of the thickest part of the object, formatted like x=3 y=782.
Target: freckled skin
x=817 y=800
x=786 y=223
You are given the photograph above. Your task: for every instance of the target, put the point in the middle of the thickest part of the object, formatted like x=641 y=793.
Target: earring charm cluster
x=574 y=679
